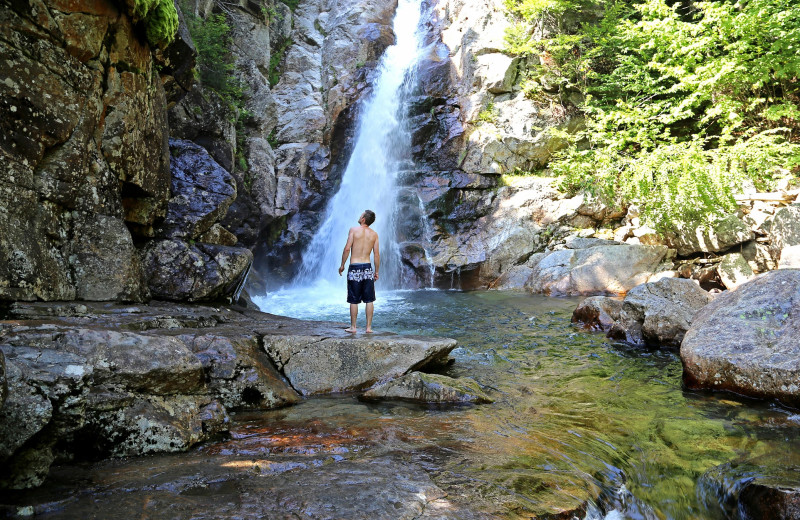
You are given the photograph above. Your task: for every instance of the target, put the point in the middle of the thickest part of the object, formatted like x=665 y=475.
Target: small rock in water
x=430 y=388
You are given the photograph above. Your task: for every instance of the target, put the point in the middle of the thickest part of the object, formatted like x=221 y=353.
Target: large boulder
x=430 y=388
x=202 y=192
x=239 y=372
x=719 y=236
x=659 y=313
x=613 y=269
x=747 y=341
x=315 y=365
x=177 y=270
x=785 y=236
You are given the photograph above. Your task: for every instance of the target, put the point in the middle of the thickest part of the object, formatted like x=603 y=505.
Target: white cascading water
x=382 y=144
x=382 y=147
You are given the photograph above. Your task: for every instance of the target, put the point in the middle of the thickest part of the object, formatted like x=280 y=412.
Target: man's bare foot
x=352 y=330
x=369 y=331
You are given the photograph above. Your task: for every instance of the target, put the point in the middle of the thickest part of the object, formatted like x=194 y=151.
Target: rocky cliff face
x=85 y=141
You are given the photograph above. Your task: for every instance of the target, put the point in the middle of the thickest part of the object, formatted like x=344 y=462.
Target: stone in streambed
x=597 y=312
x=659 y=313
x=719 y=236
x=748 y=340
x=430 y=388
x=324 y=364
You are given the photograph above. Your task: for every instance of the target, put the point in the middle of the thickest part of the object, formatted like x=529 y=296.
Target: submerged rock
x=766 y=487
x=748 y=340
x=323 y=364
x=430 y=388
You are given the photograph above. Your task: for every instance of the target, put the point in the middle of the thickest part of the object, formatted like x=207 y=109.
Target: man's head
x=369 y=217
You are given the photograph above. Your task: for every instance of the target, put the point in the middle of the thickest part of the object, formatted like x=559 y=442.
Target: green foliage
x=276 y=60
x=214 y=61
x=292 y=4
x=160 y=20
x=683 y=105
x=272 y=138
x=488 y=114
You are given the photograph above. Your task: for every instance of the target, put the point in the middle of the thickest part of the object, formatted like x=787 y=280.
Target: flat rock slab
x=748 y=340
x=321 y=364
x=135 y=379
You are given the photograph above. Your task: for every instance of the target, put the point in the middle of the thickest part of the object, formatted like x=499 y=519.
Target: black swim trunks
x=360 y=283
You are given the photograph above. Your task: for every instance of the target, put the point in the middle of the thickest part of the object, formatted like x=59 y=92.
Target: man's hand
x=376 y=277
x=340 y=270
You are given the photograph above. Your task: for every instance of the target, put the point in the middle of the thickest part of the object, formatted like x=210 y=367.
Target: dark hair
x=369 y=216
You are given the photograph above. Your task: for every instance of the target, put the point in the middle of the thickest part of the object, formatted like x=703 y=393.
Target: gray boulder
x=176 y=270
x=239 y=372
x=785 y=236
x=202 y=192
x=319 y=365
x=595 y=271
x=746 y=341
x=430 y=388
x=734 y=270
x=659 y=313
x=719 y=236
x=138 y=426
x=105 y=262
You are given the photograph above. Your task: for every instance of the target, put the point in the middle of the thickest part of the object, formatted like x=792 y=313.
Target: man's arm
x=377 y=252
x=347 y=247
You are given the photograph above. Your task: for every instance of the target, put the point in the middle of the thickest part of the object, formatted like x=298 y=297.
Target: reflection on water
x=578 y=424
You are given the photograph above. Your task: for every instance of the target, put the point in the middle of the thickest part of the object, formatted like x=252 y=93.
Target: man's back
x=364 y=240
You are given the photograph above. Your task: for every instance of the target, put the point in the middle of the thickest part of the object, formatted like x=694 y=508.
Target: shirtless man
x=361 y=241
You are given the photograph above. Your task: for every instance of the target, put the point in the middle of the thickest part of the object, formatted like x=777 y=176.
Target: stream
x=579 y=426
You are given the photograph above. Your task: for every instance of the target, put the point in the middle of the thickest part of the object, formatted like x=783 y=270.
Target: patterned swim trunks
x=360 y=283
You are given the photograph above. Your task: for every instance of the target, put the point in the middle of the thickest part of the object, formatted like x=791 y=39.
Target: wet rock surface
x=321 y=365
x=746 y=341
x=98 y=380
x=430 y=388
x=743 y=489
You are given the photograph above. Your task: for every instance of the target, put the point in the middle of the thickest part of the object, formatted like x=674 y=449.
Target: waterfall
x=382 y=144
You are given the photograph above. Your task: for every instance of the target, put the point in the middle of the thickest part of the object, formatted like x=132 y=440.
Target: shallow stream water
x=578 y=424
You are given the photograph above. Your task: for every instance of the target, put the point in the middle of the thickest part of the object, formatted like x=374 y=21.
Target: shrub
x=214 y=61
x=682 y=104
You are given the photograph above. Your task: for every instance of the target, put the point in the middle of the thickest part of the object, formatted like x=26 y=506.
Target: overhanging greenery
x=685 y=101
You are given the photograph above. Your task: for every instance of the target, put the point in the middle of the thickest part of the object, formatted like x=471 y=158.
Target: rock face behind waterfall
x=99 y=380
x=746 y=341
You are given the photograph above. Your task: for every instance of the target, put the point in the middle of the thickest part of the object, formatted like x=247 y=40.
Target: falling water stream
x=381 y=147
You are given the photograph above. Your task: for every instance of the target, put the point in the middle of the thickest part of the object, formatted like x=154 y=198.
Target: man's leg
x=353 y=316
x=370 y=310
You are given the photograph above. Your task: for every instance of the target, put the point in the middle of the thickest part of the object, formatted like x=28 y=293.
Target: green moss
x=160 y=19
